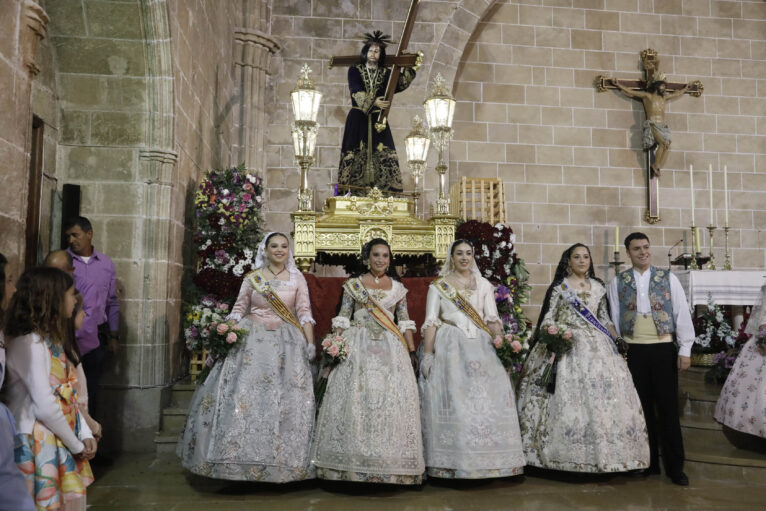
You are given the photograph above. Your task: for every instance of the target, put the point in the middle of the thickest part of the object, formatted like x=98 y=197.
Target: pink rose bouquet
x=334 y=351
x=511 y=352
x=558 y=342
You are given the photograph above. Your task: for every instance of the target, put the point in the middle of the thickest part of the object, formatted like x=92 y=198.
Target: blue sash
x=582 y=310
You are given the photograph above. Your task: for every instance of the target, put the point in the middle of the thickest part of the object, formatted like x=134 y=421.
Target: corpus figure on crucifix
x=368 y=156
x=656 y=131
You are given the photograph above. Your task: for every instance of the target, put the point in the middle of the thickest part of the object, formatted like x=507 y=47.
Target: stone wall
x=528 y=112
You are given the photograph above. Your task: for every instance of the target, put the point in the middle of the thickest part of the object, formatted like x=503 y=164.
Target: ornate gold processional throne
x=347 y=223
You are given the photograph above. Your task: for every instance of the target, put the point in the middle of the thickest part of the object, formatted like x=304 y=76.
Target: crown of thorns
x=378 y=38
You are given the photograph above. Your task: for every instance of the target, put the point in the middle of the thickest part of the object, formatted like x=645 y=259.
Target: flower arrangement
x=716 y=334
x=724 y=360
x=510 y=351
x=494 y=248
x=334 y=351
x=227 y=213
x=557 y=342
x=207 y=329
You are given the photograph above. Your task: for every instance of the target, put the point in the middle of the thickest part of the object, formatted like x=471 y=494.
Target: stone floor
x=141 y=482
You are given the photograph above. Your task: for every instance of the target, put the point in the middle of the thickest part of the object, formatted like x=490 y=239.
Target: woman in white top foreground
x=470 y=425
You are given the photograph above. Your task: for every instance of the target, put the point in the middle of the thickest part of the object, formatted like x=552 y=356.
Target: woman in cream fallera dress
x=368 y=427
x=470 y=423
x=253 y=417
x=593 y=421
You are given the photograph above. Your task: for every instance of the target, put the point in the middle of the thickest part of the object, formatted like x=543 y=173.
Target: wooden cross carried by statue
x=401 y=59
x=654 y=92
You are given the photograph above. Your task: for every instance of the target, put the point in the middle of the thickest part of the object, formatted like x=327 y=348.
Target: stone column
x=252 y=53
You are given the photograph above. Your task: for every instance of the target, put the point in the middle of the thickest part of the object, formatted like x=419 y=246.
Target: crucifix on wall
x=654 y=92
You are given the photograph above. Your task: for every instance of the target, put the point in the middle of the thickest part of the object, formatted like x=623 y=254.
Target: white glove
x=311 y=351
x=425 y=364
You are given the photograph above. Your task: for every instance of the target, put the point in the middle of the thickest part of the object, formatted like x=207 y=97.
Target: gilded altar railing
x=346 y=223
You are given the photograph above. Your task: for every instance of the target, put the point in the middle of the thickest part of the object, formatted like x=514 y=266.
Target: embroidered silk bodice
x=440 y=309
x=393 y=301
x=293 y=292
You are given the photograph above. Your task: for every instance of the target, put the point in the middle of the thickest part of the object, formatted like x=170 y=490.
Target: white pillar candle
x=710 y=175
x=616 y=238
x=691 y=189
x=725 y=196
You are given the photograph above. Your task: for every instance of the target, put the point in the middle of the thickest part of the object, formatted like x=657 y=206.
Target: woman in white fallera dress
x=470 y=423
x=592 y=421
x=742 y=404
x=253 y=417
x=368 y=428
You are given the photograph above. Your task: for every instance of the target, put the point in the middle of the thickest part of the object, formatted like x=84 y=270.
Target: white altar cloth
x=727 y=287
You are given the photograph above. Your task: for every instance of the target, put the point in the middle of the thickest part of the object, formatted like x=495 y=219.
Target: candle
x=710 y=174
x=697 y=240
x=691 y=189
x=616 y=238
x=725 y=196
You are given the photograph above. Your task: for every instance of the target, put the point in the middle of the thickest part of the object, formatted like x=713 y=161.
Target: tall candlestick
x=616 y=238
x=697 y=240
x=725 y=196
x=691 y=189
x=710 y=174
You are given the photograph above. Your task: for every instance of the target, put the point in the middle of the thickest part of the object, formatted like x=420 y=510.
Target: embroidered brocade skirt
x=253 y=417
x=594 y=421
x=368 y=428
x=470 y=423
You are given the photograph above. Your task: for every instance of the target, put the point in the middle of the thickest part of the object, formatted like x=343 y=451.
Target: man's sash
x=379 y=314
x=449 y=292
x=583 y=311
x=263 y=288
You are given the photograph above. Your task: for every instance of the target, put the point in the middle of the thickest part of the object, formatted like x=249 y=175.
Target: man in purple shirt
x=95 y=278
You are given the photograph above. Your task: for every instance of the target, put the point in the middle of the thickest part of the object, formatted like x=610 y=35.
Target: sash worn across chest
x=379 y=314
x=262 y=287
x=449 y=292
x=583 y=310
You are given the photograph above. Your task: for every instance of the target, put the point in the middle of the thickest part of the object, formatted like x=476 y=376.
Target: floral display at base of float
x=510 y=351
x=494 y=248
x=715 y=333
x=334 y=351
x=558 y=342
x=228 y=227
x=724 y=361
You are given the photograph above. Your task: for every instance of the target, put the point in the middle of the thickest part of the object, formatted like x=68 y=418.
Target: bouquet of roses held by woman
x=557 y=342
x=222 y=337
x=334 y=351
x=510 y=351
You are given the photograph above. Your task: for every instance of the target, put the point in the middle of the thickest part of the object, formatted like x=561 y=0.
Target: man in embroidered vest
x=648 y=306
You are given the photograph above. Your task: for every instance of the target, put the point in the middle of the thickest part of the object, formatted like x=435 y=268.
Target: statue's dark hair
x=635 y=236
x=561 y=272
x=653 y=86
x=366 y=48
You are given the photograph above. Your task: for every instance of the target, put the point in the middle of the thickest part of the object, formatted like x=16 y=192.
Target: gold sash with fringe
x=263 y=288
x=449 y=292
x=359 y=293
